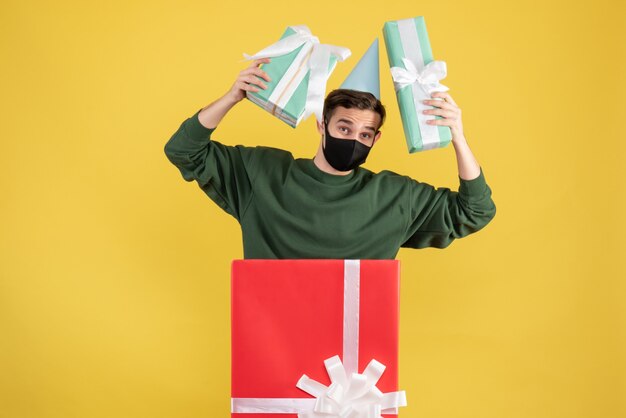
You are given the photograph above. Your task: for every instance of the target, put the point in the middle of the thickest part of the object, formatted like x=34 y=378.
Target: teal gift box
x=411 y=60
x=289 y=95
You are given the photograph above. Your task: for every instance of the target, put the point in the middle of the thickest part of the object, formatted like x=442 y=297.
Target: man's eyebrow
x=349 y=122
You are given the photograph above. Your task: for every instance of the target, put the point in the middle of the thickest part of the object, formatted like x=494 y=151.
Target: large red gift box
x=303 y=322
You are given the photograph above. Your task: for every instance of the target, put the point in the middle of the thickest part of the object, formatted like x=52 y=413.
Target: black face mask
x=344 y=154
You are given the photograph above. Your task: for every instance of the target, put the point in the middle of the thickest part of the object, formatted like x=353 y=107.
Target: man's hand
x=447 y=108
x=451 y=113
x=248 y=80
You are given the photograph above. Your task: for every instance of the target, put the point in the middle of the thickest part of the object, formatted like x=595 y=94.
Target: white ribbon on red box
x=350 y=394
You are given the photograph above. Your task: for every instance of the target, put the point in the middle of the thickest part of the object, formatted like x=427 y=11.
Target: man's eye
x=343 y=129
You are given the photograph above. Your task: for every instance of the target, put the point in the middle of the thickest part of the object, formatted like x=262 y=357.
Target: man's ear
x=377 y=137
x=320 y=127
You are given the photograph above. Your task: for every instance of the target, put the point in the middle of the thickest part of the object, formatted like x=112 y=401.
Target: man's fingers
x=258 y=62
x=262 y=73
x=252 y=79
x=247 y=87
x=440 y=104
x=444 y=95
x=442 y=122
x=449 y=114
x=256 y=71
x=250 y=87
x=249 y=80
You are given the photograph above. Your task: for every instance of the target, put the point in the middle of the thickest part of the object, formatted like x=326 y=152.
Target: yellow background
x=114 y=272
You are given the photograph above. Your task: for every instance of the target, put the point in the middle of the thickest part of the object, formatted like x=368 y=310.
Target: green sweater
x=289 y=209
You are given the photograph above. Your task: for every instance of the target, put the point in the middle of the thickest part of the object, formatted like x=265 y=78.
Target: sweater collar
x=310 y=168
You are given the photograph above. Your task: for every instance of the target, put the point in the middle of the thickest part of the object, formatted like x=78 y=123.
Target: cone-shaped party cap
x=365 y=75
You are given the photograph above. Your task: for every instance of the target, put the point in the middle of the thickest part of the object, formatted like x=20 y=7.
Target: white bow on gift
x=428 y=78
x=317 y=63
x=354 y=396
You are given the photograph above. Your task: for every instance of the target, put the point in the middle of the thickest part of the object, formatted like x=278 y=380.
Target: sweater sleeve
x=223 y=172
x=439 y=216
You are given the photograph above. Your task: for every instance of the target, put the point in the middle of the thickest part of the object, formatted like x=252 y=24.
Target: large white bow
x=318 y=63
x=428 y=78
x=354 y=396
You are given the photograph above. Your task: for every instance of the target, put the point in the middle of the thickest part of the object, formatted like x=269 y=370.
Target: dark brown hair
x=350 y=99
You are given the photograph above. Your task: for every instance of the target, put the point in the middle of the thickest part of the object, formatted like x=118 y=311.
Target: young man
x=329 y=206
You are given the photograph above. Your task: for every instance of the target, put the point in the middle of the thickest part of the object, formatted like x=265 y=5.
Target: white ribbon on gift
x=423 y=79
x=427 y=79
x=350 y=394
x=354 y=395
x=313 y=57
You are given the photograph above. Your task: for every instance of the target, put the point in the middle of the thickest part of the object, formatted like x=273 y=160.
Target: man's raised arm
x=211 y=115
x=441 y=215
x=223 y=172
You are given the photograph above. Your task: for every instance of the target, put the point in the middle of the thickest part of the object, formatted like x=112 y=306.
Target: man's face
x=353 y=123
